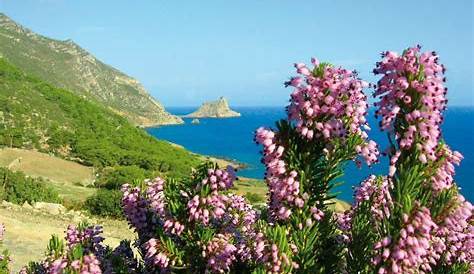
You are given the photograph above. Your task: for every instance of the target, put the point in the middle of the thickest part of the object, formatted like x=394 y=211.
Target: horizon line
x=274 y=106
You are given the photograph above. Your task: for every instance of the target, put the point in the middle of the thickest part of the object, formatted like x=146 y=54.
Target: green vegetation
x=114 y=178
x=64 y=64
x=254 y=198
x=16 y=188
x=36 y=115
x=256 y=189
x=105 y=203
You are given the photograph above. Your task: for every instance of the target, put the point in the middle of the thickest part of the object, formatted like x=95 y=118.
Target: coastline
x=221 y=161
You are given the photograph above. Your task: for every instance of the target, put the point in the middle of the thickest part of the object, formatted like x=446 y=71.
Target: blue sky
x=185 y=52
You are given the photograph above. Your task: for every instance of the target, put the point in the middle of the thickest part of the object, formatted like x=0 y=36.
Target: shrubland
x=413 y=219
x=17 y=188
x=37 y=115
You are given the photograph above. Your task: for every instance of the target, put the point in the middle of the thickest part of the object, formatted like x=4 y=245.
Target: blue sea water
x=232 y=138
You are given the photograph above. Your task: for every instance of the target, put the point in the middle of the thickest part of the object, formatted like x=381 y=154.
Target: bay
x=232 y=138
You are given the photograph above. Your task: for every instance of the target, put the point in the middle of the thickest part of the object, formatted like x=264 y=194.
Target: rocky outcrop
x=67 y=65
x=215 y=109
x=50 y=208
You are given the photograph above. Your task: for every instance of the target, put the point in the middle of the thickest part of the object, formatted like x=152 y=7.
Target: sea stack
x=214 y=109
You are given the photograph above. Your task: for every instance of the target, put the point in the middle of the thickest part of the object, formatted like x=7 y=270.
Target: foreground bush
x=411 y=220
x=4 y=257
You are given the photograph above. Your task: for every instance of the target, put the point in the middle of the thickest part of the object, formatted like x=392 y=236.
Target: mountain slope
x=215 y=109
x=66 y=65
x=36 y=115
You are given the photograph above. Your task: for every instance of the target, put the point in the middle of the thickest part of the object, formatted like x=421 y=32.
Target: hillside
x=64 y=64
x=37 y=164
x=215 y=109
x=36 y=115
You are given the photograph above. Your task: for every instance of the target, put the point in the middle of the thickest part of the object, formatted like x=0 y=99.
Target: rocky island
x=214 y=109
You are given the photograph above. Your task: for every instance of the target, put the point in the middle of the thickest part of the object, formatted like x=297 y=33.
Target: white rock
x=26 y=205
x=50 y=208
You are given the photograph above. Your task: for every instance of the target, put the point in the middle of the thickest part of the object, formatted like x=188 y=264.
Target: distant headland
x=215 y=109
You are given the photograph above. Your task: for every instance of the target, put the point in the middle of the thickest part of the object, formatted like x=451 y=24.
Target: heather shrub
x=4 y=256
x=410 y=220
x=82 y=251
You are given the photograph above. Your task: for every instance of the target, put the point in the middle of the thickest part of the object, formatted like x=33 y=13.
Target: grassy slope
x=39 y=164
x=67 y=177
x=36 y=115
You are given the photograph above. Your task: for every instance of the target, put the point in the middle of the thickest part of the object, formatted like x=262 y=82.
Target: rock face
x=67 y=65
x=50 y=208
x=215 y=109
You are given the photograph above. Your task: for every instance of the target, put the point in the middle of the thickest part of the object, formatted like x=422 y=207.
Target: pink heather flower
x=331 y=106
x=155 y=196
x=317 y=213
x=89 y=237
x=57 y=266
x=444 y=174
x=231 y=216
x=377 y=191
x=283 y=185
x=2 y=231
x=220 y=254
x=135 y=207
x=90 y=265
x=154 y=255
x=408 y=77
x=369 y=152
x=456 y=234
x=156 y=201
x=219 y=179
x=268 y=254
x=229 y=210
x=413 y=251
x=73 y=236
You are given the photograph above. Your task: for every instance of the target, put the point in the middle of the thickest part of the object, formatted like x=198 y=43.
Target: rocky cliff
x=67 y=65
x=215 y=109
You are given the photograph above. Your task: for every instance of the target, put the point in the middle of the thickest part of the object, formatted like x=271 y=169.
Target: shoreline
x=183 y=122
x=221 y=161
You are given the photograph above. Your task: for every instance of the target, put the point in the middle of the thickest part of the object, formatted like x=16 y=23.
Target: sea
x=232 y=138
